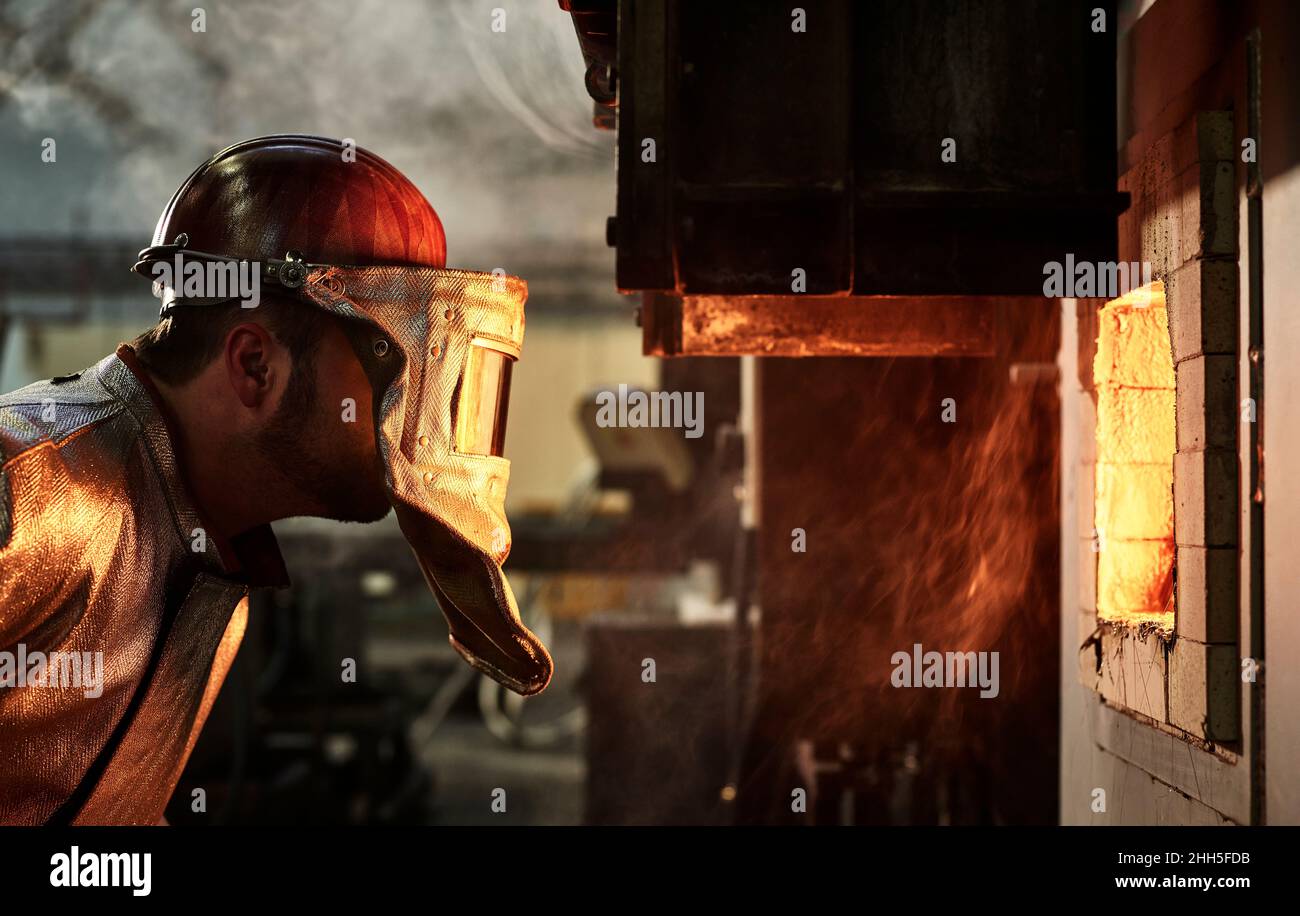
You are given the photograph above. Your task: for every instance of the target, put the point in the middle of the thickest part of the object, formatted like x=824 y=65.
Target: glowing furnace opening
x=1134 y=374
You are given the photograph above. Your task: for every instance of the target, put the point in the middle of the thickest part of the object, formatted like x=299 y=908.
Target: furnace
x=893 y=309
x=1160 y=474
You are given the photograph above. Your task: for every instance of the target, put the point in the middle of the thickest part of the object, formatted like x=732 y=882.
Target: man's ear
x=252 y=364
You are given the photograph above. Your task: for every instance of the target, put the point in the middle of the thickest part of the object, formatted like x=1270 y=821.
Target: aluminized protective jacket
x=102 y=550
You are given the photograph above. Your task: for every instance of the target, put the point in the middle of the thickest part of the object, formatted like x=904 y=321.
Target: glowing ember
x=1134 y=374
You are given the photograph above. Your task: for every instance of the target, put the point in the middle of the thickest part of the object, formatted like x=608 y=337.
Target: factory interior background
x=906 y=457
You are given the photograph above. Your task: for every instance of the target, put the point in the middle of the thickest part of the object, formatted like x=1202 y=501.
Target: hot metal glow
x=1134 y=519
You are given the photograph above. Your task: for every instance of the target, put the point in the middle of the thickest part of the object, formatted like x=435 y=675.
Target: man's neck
x=232 y=484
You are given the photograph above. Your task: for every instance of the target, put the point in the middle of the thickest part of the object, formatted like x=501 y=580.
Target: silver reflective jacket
x=120 y=611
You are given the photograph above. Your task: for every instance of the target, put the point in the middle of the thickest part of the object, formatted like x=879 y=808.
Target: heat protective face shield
x=438 y=345
x=452 y=336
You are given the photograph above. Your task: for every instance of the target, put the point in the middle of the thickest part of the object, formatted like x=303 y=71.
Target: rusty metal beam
x=824 y=325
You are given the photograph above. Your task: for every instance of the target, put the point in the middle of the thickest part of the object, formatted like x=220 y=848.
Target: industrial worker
x=313 y=357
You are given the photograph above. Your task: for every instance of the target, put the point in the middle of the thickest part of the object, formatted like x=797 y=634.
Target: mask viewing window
x=484 y=399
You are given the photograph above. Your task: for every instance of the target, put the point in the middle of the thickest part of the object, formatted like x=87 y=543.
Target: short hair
x=180 y=346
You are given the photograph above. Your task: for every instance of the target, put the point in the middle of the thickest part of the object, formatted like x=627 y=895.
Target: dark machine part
x=596 y=23
x=657 y=751
x=665 y=529
x=783 y=191
x=753 y=145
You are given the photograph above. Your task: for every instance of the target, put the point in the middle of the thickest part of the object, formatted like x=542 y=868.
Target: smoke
x=525 y=85
x=494 y=125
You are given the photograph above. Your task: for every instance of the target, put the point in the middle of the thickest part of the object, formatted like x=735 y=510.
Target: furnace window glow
x=1134 y=375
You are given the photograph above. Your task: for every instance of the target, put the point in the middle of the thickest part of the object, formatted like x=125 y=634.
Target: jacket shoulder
x=53 y=412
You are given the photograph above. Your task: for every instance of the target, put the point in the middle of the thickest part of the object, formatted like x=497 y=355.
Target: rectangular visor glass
x=484 y=400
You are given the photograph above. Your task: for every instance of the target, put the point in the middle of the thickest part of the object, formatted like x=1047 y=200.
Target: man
x=136 y=496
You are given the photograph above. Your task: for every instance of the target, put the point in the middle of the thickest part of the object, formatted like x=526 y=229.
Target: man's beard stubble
x=346 y=483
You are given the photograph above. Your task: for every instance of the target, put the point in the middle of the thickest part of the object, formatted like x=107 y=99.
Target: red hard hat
x=334 y=203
